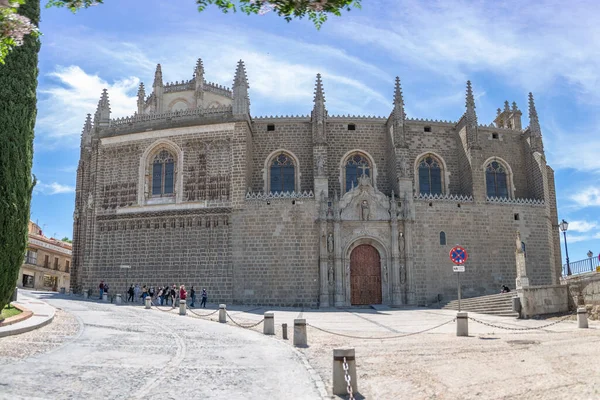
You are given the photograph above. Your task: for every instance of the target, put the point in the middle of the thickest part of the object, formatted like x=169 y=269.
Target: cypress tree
x=18 y=83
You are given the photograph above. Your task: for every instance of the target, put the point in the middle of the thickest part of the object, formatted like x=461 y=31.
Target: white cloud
x=533 y=45
x=589 y=197
x=52 y=188
x=582 y=226
x=74 y=94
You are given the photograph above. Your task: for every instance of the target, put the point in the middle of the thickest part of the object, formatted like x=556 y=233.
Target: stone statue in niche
x=330 y=243
x=401 y=245
x=385 y=274
x=90 y=202
x=519 y=246
x=364 y=210
x=403 y=167
x=331 y=282
x=402 y=274
x=320 y=165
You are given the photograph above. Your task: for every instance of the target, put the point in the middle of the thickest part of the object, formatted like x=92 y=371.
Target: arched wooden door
x=365 y=275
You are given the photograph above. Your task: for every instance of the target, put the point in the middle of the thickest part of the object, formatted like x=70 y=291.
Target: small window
x=517 y=217
x=46 y=261
x=442 y=238
x=494 y=136
x=270 y=128
x=427 y=129
x=524 y=249
x=351 y=127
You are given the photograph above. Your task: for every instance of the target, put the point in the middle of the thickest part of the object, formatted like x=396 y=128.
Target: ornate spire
x=472 y=134
x=199 y=70
x=199 y=83
x=319 y=93
x=398 y=116
x=398 y=100
x=241 y=101
x=141 y=100
x=86 y=133
x=514 y=107
x=102 y=116
x=535 y=131
x=506 y=106
x=158 y=78
x=240 y=78
x=534 y=123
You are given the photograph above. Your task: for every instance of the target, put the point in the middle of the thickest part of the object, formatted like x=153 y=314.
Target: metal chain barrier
x=242 y=325
x=203 y=315
x=381 y=337
x=522 y=329
x=348 y=379
x=160 y=309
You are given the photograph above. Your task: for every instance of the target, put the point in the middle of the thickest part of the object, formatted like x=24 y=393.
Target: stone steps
x=496 y=304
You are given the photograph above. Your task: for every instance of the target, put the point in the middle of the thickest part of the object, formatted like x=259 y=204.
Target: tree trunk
x=18 y=83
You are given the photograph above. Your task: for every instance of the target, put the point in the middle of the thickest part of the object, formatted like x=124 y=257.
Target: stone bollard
x=15 y=294
x=516 y=304
x=85 y=294
x=148 y=302
x=182 y=305
x=118 y=300
x=339 y=375
x=269 y=323
x=284 y=331
x=62 y=290
x=222 y=313
x=582 y=317
x=462 y=324
x=105 y=297
x=300 y=339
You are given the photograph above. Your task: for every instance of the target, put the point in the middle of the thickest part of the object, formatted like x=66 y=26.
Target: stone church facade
x=315 y=210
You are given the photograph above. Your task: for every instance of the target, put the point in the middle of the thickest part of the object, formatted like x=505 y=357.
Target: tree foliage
x=18 y=83
x=66 y=239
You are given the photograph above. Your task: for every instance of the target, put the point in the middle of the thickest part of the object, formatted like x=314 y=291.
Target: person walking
x=160 y=295
x=173 y=294
x=193 y=296
x=204 y=297
x=101 y=287
x=130 y=293
x=136 y=292
x=144 y=293
x=182 y=293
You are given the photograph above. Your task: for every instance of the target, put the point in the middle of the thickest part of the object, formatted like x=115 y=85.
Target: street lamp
x=564 y=225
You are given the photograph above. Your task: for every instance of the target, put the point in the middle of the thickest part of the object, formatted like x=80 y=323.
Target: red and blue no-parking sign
x=458 y=255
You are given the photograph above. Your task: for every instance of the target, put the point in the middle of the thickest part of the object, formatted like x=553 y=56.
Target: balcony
x=30 y=261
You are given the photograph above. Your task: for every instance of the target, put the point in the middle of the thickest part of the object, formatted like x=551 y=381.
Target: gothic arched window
x=496 y=180
x=163 y=174
x=442 y=238
x=282 y=174
x=357 y=165
x=430 y=175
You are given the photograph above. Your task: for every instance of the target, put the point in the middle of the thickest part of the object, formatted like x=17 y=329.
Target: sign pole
x=458 y=273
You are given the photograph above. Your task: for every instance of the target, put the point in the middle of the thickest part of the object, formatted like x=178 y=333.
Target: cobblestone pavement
x=557 y=362
x=103 y=351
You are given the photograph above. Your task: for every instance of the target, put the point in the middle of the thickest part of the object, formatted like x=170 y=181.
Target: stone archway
x=365 y=275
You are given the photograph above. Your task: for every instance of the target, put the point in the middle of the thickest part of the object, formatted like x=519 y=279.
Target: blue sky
x=505 y=48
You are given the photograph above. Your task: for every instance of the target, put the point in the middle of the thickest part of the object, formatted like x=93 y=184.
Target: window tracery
x=282 y=174
x=356 y=166
x=430 y=175
x=163 y=174
x=496 y=180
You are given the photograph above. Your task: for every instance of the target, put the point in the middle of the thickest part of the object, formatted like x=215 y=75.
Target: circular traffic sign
x=458 y=255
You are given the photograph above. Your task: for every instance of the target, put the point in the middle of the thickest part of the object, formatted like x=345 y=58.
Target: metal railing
x=581 y=266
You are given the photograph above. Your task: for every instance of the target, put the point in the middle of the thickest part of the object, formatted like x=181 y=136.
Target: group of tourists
x=163 y=294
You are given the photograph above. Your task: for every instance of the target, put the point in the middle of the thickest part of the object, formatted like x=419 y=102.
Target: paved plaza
x=150 y=351
x=127 y=352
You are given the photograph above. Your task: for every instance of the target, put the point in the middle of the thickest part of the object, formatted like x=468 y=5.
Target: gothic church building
x=317 y=210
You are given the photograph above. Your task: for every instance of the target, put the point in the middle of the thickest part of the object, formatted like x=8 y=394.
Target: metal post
x=458 y=273
x=592 y=264
x=567 y=254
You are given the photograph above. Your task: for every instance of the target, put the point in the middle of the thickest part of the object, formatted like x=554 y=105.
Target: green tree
x=315 y=10
x=66 y=239
x=18 y=83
